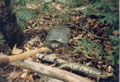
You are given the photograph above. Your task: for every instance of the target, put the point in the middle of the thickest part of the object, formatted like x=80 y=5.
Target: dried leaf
x=26 y=48
x=41 y=44
x=78 y=37
x=104 y=66
x=25 y=72
x=28 y=44
x=110 y=69
x=27 y=77
x=15 y=50
x=23 y=75
x=29 y=27
x=52 y=65
x=31 y=78
x=115 y=32
x=99 y=66
x=13 y=75
x=32 y=6
x=88 y=63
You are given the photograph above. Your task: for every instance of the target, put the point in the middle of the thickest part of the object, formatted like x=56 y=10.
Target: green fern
x=20 y=2
x=1 y=38
x=23 y=14
x=104 y=8
x=115 y=52
x=87 y=46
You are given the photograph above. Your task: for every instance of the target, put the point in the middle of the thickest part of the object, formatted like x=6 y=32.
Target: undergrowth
x=105 y=10
x=1 y=38
x=114 y=54
x=88 y=46
x=23 y=13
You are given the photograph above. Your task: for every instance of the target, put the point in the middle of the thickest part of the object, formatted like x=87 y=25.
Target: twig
x=83 y=28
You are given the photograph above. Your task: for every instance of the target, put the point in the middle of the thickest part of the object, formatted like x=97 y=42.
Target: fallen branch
x=87 y=70
x=50 y=71
x=9 y=59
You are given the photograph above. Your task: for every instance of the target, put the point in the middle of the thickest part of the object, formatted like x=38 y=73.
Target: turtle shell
x=60 y=34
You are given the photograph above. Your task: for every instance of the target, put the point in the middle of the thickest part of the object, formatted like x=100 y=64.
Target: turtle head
x=55 y=44
x=52 y=44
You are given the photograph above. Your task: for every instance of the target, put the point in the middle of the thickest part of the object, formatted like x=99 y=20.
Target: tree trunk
x=9 y=27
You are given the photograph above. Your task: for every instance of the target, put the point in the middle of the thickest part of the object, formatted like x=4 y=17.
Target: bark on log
x=50 y=71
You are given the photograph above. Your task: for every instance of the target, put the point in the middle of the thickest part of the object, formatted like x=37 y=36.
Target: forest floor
x=36 y=31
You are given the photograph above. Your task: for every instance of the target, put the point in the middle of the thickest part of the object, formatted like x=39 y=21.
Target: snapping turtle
x=57 y=36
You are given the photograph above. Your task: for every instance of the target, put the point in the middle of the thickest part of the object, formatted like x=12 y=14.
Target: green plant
x=1 y=38
x=23 y=13
x=106 y=8
x=87 y=46
x=109 y=10
x=20 y=2
x=114 y=54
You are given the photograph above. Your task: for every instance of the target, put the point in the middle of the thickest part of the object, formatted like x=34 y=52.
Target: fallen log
x=87 y=70
x=50 y=71
x=13 y=58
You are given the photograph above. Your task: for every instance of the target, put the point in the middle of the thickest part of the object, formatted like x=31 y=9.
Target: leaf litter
x=36 y=31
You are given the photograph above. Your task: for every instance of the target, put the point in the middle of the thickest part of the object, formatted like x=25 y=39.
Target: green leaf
x=47 y=1
x=62 y=1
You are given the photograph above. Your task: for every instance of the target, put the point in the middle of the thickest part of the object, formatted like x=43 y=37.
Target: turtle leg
x=47 y=44
x=66 y=46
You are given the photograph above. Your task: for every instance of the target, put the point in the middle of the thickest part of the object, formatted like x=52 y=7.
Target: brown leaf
x=78 y=37
x=88 y=63
x=110 y=69
x=27 y=77
x=58 y=7
x=104 y=66
x=26 y=48
x=109 y=57
x=32 y=6
x=28 y=44
x=31 y=78
x=41 y=44
x=95 y=26
x=13 y=75
x=15 y=50
x=115 y=32
x=99 y=66
x=23 y=75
